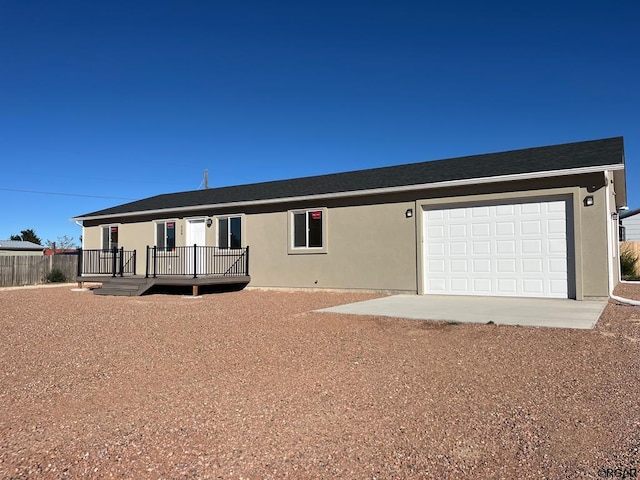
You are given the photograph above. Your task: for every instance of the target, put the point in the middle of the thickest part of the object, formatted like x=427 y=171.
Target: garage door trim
x=567 y=196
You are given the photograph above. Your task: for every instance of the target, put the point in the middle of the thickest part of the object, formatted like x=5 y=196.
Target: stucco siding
x=368 y=247
x=592 y=244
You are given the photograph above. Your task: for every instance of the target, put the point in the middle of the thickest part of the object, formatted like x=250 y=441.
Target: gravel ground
x=252 y=384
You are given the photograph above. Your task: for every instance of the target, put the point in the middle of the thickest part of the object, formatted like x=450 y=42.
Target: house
x=19 y=248
x=537 y=222
x=630 y=226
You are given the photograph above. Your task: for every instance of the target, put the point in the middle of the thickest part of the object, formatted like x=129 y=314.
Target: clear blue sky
x=131 y=99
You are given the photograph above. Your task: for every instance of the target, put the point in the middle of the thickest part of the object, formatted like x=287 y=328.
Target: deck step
x=129 y=287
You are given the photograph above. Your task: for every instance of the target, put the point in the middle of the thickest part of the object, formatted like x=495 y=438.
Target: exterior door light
x=588 y=200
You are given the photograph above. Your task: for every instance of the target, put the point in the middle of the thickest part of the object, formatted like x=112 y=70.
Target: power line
x=63 y=194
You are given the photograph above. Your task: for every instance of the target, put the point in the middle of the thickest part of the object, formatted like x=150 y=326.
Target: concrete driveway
x=530 y=312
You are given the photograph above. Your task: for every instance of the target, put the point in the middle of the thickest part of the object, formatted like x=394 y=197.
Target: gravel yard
x=253 y=384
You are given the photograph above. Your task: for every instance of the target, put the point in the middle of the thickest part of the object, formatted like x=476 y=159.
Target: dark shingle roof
x=567 y=156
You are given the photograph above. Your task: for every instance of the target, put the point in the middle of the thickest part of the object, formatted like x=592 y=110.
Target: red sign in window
x=316 y=215
x=114 y=229
x=169 y=224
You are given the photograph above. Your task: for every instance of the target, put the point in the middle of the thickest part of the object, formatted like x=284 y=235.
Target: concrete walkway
x=530 y=312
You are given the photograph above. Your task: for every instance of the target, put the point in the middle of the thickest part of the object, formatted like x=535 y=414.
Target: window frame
x=164 y=249
x=292 y=249
x=227 y=218
x=110 y=247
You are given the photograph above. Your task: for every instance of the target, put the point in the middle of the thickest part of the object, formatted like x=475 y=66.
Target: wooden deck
x=135 y=285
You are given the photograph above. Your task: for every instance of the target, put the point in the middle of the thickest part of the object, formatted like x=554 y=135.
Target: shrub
x=56 y=276
x=628 y=262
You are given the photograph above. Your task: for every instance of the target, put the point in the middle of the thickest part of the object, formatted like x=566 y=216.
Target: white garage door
x=516 y=249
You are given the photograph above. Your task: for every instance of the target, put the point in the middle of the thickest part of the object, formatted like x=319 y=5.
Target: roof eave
x=373 y=191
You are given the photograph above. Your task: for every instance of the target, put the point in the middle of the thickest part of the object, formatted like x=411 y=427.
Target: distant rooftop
x=19 y=245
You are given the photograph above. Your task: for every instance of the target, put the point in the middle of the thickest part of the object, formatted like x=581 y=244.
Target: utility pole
x=206 y=178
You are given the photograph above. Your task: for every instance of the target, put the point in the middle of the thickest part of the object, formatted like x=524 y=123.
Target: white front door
x=503 y=249
x=196 y=236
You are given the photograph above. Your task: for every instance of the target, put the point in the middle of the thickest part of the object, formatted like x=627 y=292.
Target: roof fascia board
x=371 y=191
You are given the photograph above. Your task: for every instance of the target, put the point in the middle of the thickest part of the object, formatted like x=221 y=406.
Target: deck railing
x=114 y=262
x=197 y=261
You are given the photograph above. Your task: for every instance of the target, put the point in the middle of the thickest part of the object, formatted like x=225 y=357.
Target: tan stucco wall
x=372 y=245
x=368 y=247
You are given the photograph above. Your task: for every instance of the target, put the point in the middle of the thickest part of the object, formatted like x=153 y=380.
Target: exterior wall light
x=209 y=222
x=588 y=200
x=409 y=213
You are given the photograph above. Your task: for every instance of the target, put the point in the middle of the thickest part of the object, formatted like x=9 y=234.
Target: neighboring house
x=537 y=222
x=19 y=247
x=630 y=226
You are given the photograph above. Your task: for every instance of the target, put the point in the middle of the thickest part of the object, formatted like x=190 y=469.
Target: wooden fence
x=33 y=269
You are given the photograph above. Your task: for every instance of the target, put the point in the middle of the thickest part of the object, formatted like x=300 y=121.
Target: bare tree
x=65 y=242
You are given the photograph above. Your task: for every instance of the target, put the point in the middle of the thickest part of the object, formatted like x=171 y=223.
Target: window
x=109 y=237
x=230 y=232
x=166 y=236
x=308 y=231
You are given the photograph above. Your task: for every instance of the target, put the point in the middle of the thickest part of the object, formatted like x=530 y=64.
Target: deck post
x=195 y=290
x=246 y=261
x=154 y=261
x=195 y=264
x=79 y=272
x=121 y=266
x=114 y=261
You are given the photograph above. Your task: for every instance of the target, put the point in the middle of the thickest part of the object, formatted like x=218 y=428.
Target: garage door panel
x=532 y=265
x=531 y=227
x=437 y=284
x=458 y=231
x=436 y=249
x=483 y=286
x=507 y=286
x=480 y=229
x=506 y=265
x=458 y=248
x=459 y=266
x=437 y=266
x=556 y=227
x=481 y=247
x=481 y=265
x=436 y=231
x=459 y=285
x=557 y=265
x=533 y=286
x=531 y=247
x=505 y=229
x=517 y=249
x=505 y=247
